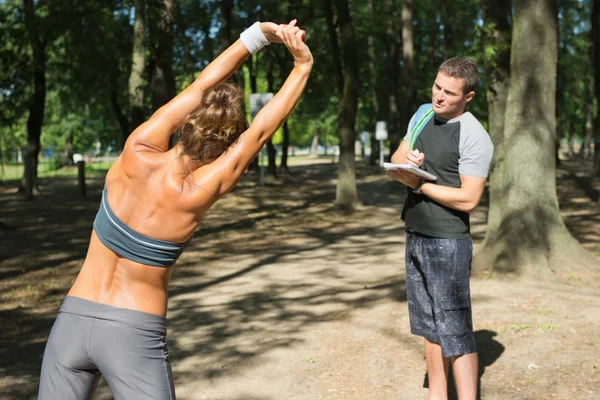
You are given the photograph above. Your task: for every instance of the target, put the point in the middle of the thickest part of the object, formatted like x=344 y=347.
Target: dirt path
x=281 y=297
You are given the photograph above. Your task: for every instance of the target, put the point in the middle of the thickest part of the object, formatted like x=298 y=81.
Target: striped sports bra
x=129 y=244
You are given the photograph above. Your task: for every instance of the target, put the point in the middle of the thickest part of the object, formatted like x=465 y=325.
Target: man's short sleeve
x=476 y=148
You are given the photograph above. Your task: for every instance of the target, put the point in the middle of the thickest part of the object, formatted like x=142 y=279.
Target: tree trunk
x=393 y=54
x=346 y=195
x=189 y=69
x=284 y=63
x=225 y=31
x=252 y=72
x=208 y=42
x=255 y=164
x=589 y=120
x=271 y=152
x=335 y=47
x=571 y=139
x=596 y=42
x=121 y=117
x=374 y=156
x=136 y=76
x=226 y=35
x=408 y=56
x=496 y=51
x=447 y=14
x=160 y=14
x=38 y=101
x=532 y=237
x=283 y=167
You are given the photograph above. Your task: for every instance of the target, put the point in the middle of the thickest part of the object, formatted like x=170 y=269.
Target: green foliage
x=89 y=47
x=575 y=69
x=15 y=55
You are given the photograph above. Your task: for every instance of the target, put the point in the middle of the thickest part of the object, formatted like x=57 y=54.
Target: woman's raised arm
x=221 y=175
x=154 y=134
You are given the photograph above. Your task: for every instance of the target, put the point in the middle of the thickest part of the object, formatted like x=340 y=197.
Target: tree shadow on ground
x=230 y=304
x=236 y=250
x=488 y=351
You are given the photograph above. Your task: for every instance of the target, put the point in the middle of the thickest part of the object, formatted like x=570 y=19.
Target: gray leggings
x=91 y=339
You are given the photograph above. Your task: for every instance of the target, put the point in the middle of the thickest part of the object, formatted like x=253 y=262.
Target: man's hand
x=415 y=158
x=405 y=178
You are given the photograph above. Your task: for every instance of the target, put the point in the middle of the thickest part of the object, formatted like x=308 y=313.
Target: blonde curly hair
x=215 y=124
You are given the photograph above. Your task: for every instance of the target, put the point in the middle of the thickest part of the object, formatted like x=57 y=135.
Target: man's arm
x=399 y=156
x=466 y=198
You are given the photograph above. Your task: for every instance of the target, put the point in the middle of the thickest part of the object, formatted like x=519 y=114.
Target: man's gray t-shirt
x=460 y=146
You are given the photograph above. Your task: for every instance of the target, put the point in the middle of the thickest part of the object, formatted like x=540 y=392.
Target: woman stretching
x=112 y=321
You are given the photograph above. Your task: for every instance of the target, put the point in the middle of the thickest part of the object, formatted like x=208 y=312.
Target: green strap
x=419 y=127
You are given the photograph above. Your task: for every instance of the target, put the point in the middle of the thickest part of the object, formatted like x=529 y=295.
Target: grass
x=518 y=328
x=47 y=169
x=9 y=172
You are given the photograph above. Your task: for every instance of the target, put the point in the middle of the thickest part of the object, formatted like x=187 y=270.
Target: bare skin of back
x=161 y=206
x=163 y=194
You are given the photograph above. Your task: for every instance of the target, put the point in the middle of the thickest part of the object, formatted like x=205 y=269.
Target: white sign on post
x=381 y=130
x=256 y=101
x=381 y=134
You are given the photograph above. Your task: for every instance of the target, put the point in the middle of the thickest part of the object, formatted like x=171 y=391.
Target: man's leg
x=466 y=372
x=452 y=310
x=437 y=371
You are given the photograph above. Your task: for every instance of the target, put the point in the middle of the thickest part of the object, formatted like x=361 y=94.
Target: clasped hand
x=292 y=37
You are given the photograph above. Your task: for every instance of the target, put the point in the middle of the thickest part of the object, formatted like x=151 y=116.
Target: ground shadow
x=45 y=242
x=488 y=351
x=240 y=243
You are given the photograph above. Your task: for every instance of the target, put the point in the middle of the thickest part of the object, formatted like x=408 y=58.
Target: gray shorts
x=437 y=289
x=91 y=339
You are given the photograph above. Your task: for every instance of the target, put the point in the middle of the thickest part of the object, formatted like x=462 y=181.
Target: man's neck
x=447 y=118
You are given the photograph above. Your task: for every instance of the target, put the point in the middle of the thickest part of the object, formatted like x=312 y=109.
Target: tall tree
x=532 y=237
x=332 y=26
x=138 y=65
x=393 y=70
x=225 y=33
x=596 y=42
x=374 y=157
x=496 y=49
x=408 y=55
x=284 y=63
x=448 y=12
x=271 y=152
x=160 y=28
x=15 y=66
x=589 y=120
x=38 y=100
x=346 y=195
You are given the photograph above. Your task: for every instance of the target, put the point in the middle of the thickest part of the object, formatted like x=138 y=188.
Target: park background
x=295 y=289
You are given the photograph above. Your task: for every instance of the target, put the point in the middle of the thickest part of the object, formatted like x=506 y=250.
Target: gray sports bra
x=129 y=244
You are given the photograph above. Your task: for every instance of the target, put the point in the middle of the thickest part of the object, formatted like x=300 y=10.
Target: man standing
x=450 y=143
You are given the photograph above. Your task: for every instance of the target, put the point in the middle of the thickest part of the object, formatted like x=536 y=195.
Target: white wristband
x=253 y=38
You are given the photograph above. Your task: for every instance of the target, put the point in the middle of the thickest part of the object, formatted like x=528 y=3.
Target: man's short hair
x=462 y=68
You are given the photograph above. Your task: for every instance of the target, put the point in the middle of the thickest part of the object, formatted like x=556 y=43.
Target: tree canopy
x=89 y=72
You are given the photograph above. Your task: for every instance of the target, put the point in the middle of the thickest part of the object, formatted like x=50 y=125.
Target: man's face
x=447 y=96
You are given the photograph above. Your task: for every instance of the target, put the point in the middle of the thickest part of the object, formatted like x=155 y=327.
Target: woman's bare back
x=147 y=191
